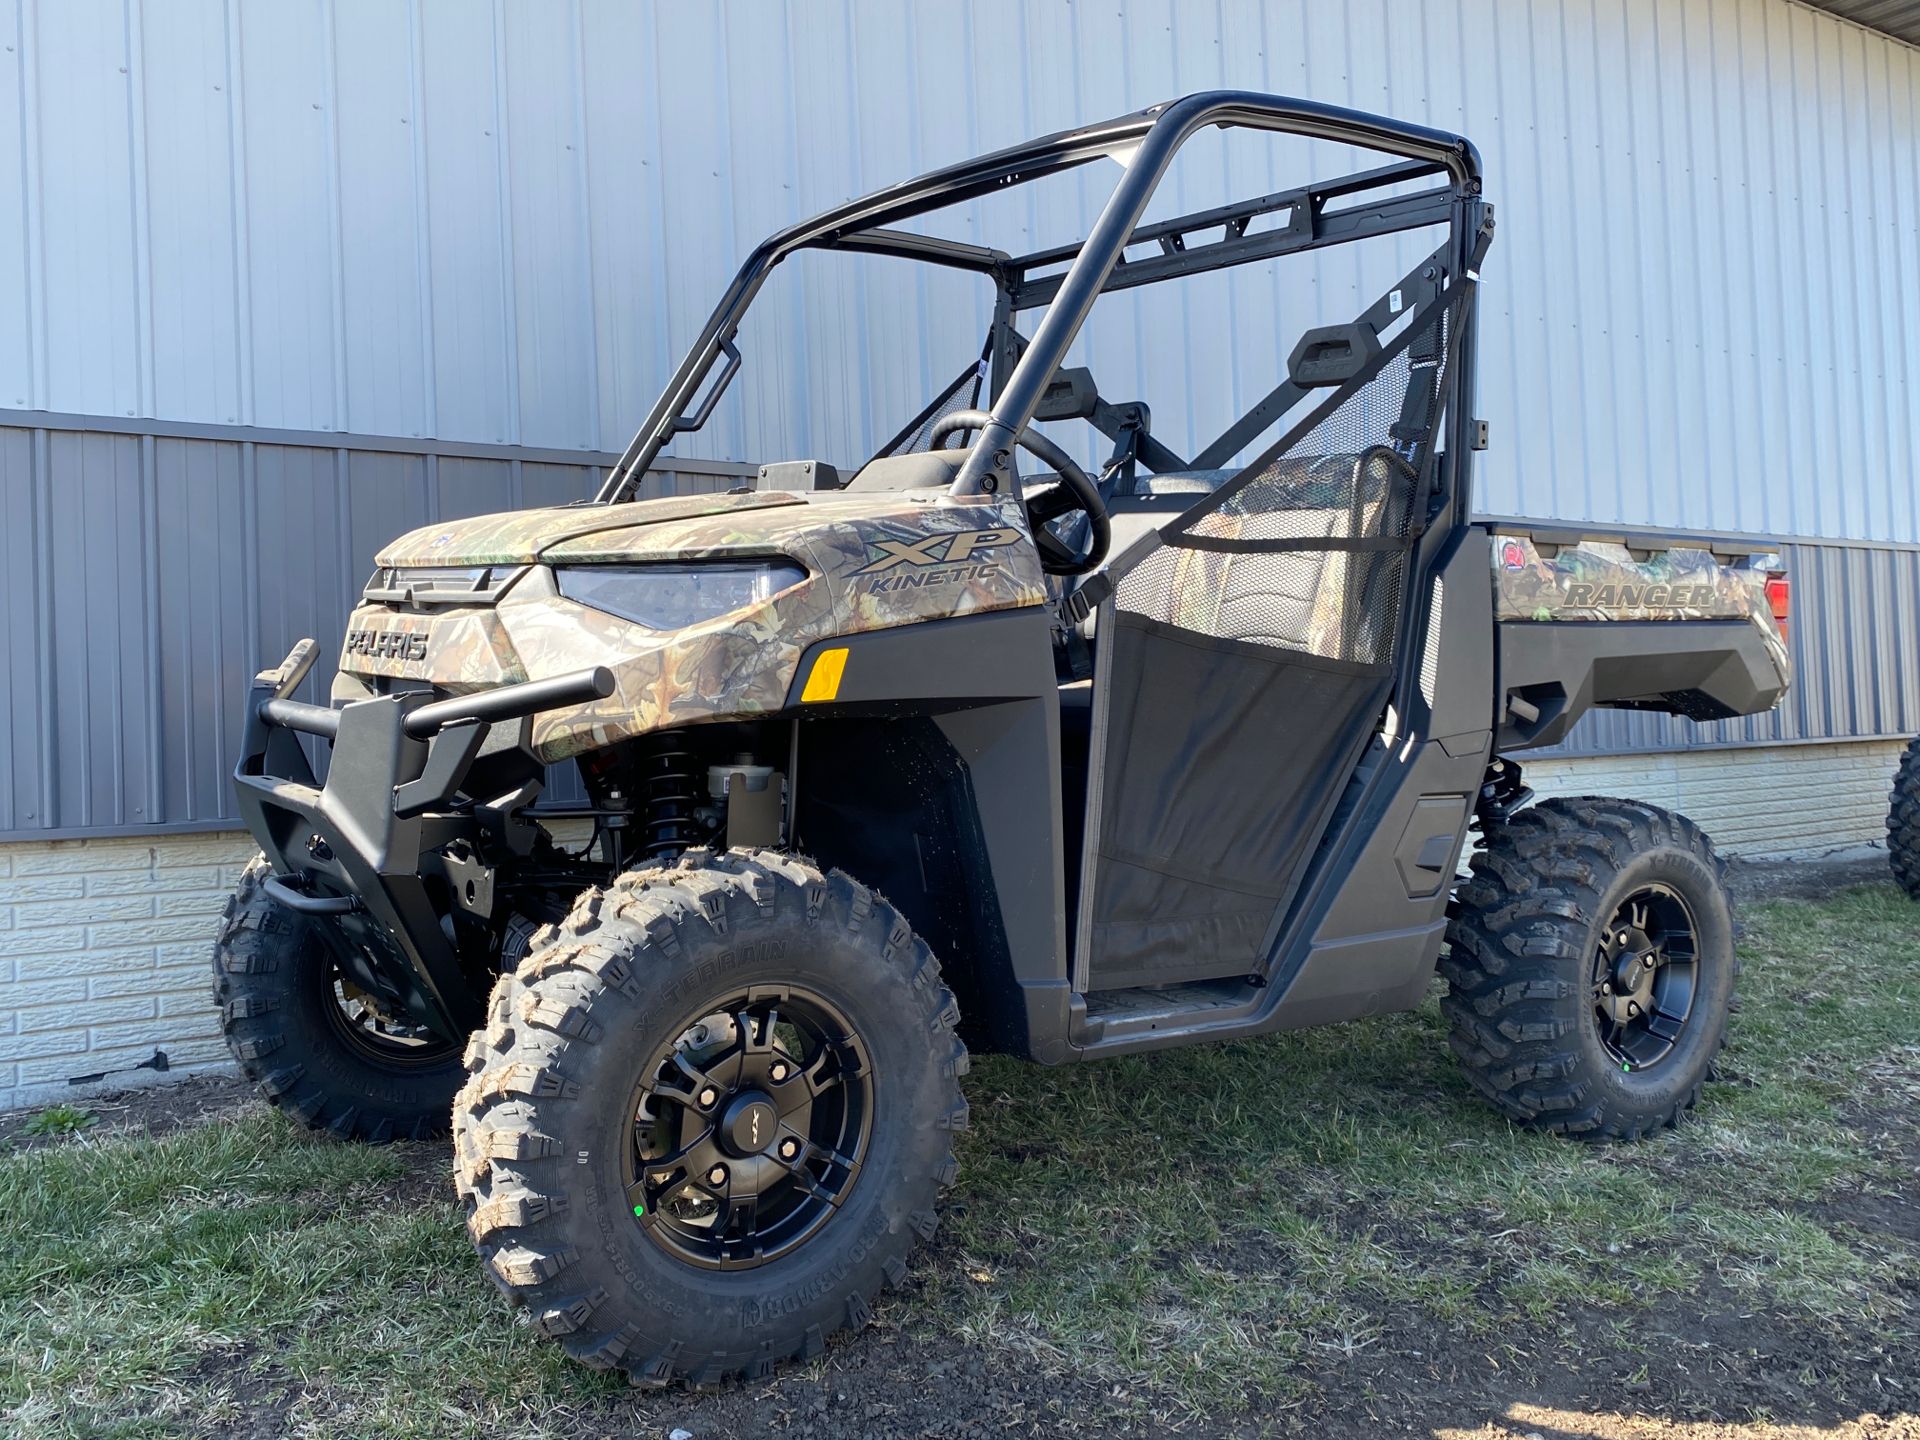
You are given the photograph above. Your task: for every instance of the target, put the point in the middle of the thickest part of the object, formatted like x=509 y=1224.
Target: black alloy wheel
x=376 y=1035
x=710 y=1115
x=1645 y=974
x=750 y=1129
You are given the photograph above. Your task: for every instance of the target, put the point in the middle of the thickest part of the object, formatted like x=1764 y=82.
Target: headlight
x=672 y=597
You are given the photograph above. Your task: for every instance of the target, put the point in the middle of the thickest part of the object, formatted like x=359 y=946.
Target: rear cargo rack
x=1550 y=539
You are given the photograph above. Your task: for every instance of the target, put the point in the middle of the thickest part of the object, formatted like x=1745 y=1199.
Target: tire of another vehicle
x=544 y=1129
x=1903 y=821
x=1523 y=946
x=273 y=982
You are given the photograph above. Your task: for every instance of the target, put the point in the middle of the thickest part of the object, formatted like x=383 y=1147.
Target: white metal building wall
x=502 y=222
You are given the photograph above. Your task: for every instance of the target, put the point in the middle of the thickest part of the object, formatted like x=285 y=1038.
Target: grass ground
x=1320 y=1232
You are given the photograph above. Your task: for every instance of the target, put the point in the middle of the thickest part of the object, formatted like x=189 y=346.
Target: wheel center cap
x=748 y=1123
x=1632 y=985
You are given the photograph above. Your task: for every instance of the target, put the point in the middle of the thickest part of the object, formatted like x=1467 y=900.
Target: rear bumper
x=350 y=849
x=1553 y=672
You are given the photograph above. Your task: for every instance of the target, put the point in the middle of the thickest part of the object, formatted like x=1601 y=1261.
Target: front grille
x=440 y=585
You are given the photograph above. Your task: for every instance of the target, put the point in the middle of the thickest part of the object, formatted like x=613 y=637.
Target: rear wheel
x=317 y=1046
x=1903 y=821
x=710 y=1115
x=1590 y=967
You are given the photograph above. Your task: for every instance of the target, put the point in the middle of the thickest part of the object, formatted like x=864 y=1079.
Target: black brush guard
x=350 y=849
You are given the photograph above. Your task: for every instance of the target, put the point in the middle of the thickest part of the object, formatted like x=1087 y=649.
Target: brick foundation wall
x=104 y=949
x=1761 y=802
x=104 y=943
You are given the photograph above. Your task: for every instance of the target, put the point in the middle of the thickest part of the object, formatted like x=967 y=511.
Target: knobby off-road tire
x=545 y=1128
x=273 y=980
x=1527 y=954
x=1903 y=821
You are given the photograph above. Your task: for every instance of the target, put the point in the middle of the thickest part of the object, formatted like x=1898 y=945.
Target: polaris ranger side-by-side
x=936 y=755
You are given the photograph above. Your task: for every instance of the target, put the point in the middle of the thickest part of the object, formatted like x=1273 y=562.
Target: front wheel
x=316 y=1045
x=1590 y=967
x=710 y=1115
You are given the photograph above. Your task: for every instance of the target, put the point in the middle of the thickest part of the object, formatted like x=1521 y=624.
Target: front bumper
x=350 y=849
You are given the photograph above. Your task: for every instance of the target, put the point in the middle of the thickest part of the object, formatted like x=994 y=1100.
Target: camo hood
x=872 y=561
x=516 y=537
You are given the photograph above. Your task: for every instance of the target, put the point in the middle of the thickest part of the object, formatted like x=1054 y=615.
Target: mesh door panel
x=962 y=394
x=1352 y=465
x=1247 y=659
x=1305 y=550
x=1334 y=604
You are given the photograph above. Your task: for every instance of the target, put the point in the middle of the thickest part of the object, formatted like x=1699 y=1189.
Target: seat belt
x=1085 y=599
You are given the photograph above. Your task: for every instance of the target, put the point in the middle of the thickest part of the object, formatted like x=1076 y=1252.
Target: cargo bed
x=1681 y=626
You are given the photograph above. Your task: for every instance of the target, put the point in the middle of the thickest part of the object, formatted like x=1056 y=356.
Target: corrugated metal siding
x=498 y=224
x=148 y=577
x=501 y=222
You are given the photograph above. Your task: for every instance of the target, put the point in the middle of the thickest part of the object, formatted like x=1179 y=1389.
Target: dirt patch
x=1707 y=1371
x=1707 y=1368
x=1709 y=1364
x=1812 y=878
x=147 y=1110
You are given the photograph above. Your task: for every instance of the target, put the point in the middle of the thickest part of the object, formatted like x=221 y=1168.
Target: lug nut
x=789 y=1149
x=1606 y=987
x=778 y=1072
x=1647 y=960
x=717 y=1175
x=1633 y=1008
x=1623 y=937
x=707 y=1097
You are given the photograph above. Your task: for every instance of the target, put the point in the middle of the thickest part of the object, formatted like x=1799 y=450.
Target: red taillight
x=1779 y=594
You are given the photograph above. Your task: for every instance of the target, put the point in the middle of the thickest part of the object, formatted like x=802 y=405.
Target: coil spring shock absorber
x=669 y=796
x=1502 y=793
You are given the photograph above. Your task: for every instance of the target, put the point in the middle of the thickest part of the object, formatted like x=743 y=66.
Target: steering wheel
x=1076 y=491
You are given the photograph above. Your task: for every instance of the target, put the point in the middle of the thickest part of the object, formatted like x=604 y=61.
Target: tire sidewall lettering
x=757 y=1310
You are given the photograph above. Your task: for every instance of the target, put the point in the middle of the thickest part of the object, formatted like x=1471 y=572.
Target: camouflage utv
x=938 y=757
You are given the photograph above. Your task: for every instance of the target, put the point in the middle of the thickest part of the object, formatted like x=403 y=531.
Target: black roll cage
x=1146 y=143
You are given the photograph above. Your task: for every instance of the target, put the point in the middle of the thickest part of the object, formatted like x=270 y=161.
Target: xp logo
x=955 y=548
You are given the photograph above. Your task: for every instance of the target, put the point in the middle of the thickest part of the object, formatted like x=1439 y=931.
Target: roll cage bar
x=1146 y=142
